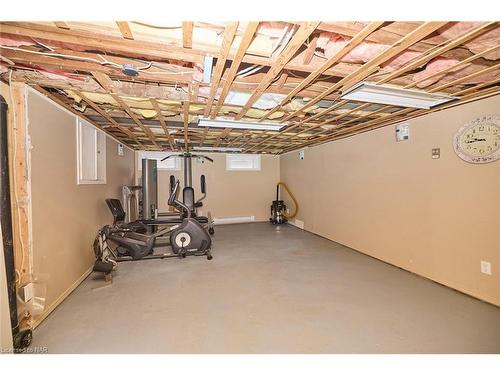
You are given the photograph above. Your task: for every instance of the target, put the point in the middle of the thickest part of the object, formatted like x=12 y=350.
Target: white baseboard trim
x=61 y=298
x=297 y=223
x=233 y=220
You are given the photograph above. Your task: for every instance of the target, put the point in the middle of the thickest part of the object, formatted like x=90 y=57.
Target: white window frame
x=100 y=154
x=232 y=159
x=172 y=164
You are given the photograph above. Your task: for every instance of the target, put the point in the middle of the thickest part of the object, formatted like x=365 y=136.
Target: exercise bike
x=188 y=197
x=132 y=241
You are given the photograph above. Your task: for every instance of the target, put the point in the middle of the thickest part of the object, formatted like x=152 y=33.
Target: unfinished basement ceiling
x=282 y=72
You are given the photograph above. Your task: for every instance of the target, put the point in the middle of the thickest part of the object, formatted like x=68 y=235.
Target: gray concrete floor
x=269 y=289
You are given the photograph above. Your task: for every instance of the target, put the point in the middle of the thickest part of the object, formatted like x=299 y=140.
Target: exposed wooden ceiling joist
x=152 y=109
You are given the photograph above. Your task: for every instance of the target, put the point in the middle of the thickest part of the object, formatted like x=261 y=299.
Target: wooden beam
x=282 y=80
x=92 y=41
x=227 y=41
x=205 y=132
x=107 y=84
x=125 y=29
x=351 y=44
x=395 y=116
x=103 y=113
x=335 y=118
x=78 y=114
x=368 y=68
x=455 y=66
x=35 y=60
x=409 y=114
x=467 y=77
x=311 y=48
x=101 y=42
x=20 y=189
x=294 y=126
x=163 y=124
x=61 y=25
x=428 y=56
x=134 y=117
x=292 y=47
x=222 y=135
x=244 y=43
x=187 y=34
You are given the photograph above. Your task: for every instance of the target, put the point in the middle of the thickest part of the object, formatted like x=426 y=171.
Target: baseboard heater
x=233 y=220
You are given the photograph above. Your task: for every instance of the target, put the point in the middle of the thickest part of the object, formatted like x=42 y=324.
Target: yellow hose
x=290 y=216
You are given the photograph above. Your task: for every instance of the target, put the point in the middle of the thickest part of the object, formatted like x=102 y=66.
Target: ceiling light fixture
x=393 y=95
x=223 y=123
x=221 y=149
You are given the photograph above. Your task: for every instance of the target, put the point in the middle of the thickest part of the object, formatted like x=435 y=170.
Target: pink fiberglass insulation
x=17 y=42
x=434 y=66
x=331 y=43
x=478 y=44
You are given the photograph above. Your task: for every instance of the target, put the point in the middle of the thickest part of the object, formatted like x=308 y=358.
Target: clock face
x=478 y=141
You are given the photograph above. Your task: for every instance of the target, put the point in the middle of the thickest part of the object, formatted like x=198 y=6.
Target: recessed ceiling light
x=223 y=123
x=393 y=95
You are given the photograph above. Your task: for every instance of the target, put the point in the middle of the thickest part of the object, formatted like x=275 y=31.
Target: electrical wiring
x=53 y=54
x=246 y=72
x=103 y=60
x=156 y=26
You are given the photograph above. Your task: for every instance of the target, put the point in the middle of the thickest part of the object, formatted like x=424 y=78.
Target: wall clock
x=478 y=141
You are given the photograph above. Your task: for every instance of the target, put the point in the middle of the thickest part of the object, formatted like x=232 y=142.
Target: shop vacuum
x=279 y=213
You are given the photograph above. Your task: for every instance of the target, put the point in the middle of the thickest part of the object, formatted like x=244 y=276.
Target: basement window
x=171 y=164
x=242 y=162
x=91 y=154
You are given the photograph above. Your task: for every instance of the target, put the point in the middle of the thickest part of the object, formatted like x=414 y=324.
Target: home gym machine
x=141 y=201
x=279 y=213
x=132 y=241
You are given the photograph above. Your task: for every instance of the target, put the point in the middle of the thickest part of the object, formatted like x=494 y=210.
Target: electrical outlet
x=486 y=267
x=436 y=153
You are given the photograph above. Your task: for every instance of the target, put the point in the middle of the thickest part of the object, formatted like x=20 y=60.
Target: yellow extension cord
x=290 y=216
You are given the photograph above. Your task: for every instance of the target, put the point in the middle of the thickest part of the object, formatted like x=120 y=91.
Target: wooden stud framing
x=295 y=43
x=308 y=55
x=187 y=34
x=368 y=68
x=20 y=181
x=163 y=124
x=107 y=84
x=351 y=44
x=61 y=25
x=227 y=41
x=427 y=57
x=245 y=42
x=125 y=29
x=84 y=53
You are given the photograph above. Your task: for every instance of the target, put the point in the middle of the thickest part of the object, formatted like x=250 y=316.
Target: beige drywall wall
x=391 y=200
x=229 y=193
x=66 y=215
